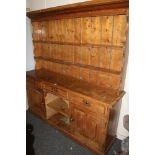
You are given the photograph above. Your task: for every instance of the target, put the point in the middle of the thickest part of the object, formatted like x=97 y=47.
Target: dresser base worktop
x=106 y=95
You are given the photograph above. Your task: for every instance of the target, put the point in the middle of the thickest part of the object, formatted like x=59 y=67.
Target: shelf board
x=57 y=120
x=79 y=44
x=59 y=106
x=79 y=65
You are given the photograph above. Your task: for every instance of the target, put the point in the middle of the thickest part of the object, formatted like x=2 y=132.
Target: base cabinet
x=82 y=117
x=80 y=65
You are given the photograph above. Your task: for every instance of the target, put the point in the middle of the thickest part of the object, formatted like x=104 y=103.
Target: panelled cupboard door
x=35 y=96
x=91 y=127
x=78 y=120
x=35 y=101
x=95 y=130
x=87 y=125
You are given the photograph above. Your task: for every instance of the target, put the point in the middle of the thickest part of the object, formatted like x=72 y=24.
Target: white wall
x=29 y=49
x=29 y=46
x=52 y=3
x=36 y=4
x=27 y=3
x=121 y=131
x=41 y=4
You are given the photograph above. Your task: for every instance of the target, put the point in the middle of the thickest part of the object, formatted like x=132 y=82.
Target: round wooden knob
x=86 y=102
x=71 y=119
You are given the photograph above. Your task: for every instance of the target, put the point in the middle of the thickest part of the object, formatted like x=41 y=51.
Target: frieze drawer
x=62 y=92
x=55 y=89
x=88 y=104
x=49 y=87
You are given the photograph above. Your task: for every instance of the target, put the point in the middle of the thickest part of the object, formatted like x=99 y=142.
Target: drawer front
x=62 y=92
x=74 y=98
x=88 y=104
x=50 y=87
x=55 y=90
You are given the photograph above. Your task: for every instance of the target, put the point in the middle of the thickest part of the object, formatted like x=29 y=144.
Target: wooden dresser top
x=104 y=95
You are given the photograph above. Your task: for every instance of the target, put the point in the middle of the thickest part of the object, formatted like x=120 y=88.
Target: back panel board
x=87 y=48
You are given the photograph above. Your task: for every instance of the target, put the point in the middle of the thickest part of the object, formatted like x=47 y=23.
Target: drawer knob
x=86 y=103
x=71 y=119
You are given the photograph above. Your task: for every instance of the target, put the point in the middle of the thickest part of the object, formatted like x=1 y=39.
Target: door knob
x=86 y=103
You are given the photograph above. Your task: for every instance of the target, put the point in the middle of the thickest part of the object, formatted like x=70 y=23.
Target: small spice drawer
x=86 y=103
x=49 y=87
x=55 y=89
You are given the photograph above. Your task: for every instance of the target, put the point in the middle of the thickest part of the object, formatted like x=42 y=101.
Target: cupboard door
x=101 y=135
x=35 y=100
x=34 y=97
x=88 y=126
x=95 y=130
x=78 y=120
x=91 y=127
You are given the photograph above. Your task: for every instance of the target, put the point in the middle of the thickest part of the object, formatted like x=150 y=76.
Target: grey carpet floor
x=49 y=141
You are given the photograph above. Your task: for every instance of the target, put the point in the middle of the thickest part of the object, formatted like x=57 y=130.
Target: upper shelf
x=87 y=6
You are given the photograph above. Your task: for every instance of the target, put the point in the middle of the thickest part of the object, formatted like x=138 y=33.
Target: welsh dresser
x=80 y=64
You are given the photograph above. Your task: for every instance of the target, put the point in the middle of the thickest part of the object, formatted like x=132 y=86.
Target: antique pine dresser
x=80 y=64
